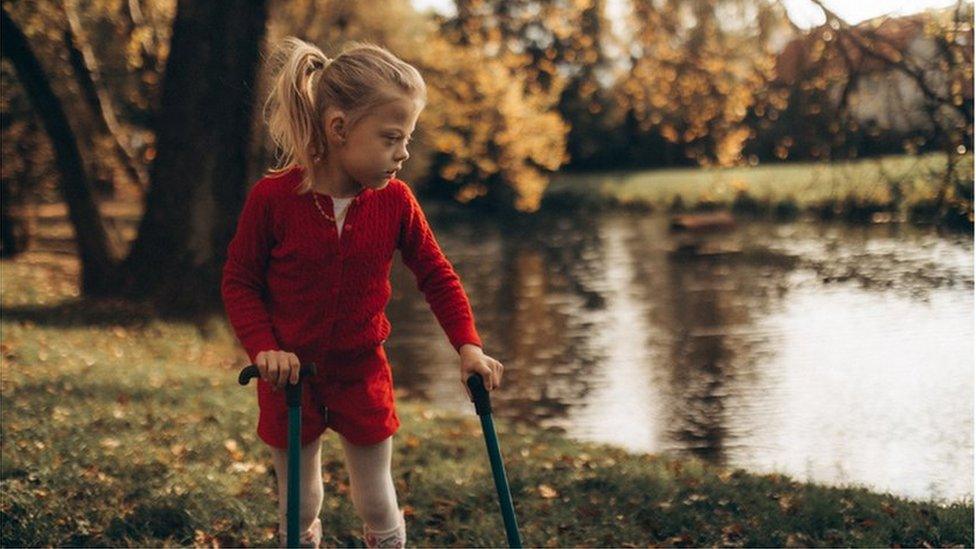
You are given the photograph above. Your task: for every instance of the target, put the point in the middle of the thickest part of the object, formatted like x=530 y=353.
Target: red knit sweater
x=292 y=283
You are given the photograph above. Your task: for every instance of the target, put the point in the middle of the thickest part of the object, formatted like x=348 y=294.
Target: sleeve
x=243 y=283
x=436 y=277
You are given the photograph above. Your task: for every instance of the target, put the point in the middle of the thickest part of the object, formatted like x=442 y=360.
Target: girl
x=307 y=272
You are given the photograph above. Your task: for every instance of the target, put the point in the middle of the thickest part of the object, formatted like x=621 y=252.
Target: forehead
x=396 y=114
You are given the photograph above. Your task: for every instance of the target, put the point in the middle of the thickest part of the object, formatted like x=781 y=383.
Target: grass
x=123 y=430
x=889 y=188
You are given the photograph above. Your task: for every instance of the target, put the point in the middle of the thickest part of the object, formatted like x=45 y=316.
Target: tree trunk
x=85 y=68
x=198 y=179
x=97 y=259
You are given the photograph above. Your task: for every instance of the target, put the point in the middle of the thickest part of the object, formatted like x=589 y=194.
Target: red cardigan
x=291 y=283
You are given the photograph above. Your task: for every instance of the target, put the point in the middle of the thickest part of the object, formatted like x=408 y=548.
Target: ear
x=336 y=127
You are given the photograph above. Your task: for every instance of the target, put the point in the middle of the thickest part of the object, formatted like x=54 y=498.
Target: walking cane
x=482 y=405
x=293 y=397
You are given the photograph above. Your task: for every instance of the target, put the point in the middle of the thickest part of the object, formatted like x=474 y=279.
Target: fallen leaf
x=232 y=448
x=547 y=492
x=110 y=443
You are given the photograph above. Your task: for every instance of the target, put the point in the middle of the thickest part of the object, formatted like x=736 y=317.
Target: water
x=832 y=353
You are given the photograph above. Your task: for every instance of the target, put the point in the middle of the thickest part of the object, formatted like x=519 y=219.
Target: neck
x=328 y=179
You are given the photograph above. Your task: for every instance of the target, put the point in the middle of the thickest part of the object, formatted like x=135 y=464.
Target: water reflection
x=832 y=353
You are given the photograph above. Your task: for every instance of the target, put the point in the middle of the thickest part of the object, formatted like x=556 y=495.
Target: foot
x=309 y=538
x=396 y=538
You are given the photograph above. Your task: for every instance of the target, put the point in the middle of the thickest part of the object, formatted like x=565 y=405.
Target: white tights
x=370 y=484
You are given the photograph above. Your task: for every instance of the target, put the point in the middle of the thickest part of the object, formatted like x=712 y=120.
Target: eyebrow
x=394 y=128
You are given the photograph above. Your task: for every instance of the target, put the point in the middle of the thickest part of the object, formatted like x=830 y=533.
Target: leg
x=312 y=493
x=373 y=493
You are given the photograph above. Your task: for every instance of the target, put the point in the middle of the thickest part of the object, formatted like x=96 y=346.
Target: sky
x=803 y=12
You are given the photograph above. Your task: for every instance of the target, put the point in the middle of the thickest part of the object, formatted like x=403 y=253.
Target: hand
x=474 y=361
x=278 y=367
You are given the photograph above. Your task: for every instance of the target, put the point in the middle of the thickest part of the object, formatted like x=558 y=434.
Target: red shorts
x=355 y=387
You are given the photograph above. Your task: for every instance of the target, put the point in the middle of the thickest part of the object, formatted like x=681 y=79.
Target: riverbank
x=885 y=189
x=120 y=429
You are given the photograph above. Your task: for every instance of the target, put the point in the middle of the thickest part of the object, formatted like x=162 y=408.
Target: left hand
x=474 y=361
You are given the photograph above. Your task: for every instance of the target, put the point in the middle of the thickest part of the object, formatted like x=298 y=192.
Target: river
x=834 y=353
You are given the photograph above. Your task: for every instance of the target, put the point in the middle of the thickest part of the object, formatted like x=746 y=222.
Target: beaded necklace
x=315 y=197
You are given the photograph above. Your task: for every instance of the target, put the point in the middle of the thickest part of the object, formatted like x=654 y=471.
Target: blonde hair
x=305 y=82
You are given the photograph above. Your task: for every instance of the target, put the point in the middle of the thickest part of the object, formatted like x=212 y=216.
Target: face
x=376 y=147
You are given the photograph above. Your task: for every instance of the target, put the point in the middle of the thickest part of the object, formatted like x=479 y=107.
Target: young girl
x=307 y=272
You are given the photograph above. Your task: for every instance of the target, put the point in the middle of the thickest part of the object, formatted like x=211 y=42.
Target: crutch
x=293 y=397
x=482 y=405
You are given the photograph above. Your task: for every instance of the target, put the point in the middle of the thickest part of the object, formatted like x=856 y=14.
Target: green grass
x=120 y=429
x=906 y=186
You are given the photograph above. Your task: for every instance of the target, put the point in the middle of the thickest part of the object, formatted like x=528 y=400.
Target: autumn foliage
x=521 y=89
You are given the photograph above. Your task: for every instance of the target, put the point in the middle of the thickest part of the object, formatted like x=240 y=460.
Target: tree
x=197 y=181
x=697 y=67
x=198 y=177
x=93 y=244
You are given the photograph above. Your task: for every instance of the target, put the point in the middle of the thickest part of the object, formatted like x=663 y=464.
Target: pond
x=833 y=353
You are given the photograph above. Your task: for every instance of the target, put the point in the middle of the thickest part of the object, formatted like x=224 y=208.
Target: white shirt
x=340 y=205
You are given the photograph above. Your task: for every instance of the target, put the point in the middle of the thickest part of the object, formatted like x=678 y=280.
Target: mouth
x=391 y=173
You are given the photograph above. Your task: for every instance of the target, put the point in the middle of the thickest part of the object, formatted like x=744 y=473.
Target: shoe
x=309 y=538
x=396 y=538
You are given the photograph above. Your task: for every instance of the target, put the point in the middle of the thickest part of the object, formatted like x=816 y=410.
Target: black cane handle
x=482 y=402
x=251 y=371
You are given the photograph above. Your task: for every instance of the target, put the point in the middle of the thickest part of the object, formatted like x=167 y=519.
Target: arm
x=436 y=278
x=243 y=282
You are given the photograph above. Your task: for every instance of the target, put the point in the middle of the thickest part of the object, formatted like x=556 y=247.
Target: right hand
x=278 y=367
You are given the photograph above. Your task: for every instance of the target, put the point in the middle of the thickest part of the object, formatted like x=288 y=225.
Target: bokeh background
x=734 y=230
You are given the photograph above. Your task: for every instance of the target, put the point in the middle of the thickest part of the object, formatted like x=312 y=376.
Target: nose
x=402 y=154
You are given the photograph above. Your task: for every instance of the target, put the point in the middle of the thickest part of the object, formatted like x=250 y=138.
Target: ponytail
x=290 y=109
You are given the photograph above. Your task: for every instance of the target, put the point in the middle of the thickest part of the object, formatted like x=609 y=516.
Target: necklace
x=342 y=215
x=315 y=197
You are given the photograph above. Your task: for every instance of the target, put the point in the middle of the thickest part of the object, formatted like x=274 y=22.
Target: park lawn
x=121 y=429
x=903 y=182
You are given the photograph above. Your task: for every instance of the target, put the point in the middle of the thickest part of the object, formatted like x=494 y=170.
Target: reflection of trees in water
x=526 y=281
x=545 y=270
x=708 y=306
x=570 y=302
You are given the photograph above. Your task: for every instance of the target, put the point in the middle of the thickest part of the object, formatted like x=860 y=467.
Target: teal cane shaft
x=294 y=471
x=501 y=482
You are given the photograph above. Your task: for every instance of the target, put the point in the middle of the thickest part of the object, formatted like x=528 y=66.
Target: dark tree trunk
x=88 y=76
x=14 y=236
x=97 y=261
x=198 y=179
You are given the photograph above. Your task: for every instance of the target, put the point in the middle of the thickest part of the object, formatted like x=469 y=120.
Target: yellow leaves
x=203 y=539
x=787 y=503
x=241 y=467
x=59 y=414
x=726 y=475
x=232 y=449
x=669 y=132
x=470 y=192
x=493 y=119
x=694 y=498
x=547 y=492
x=109 y=443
